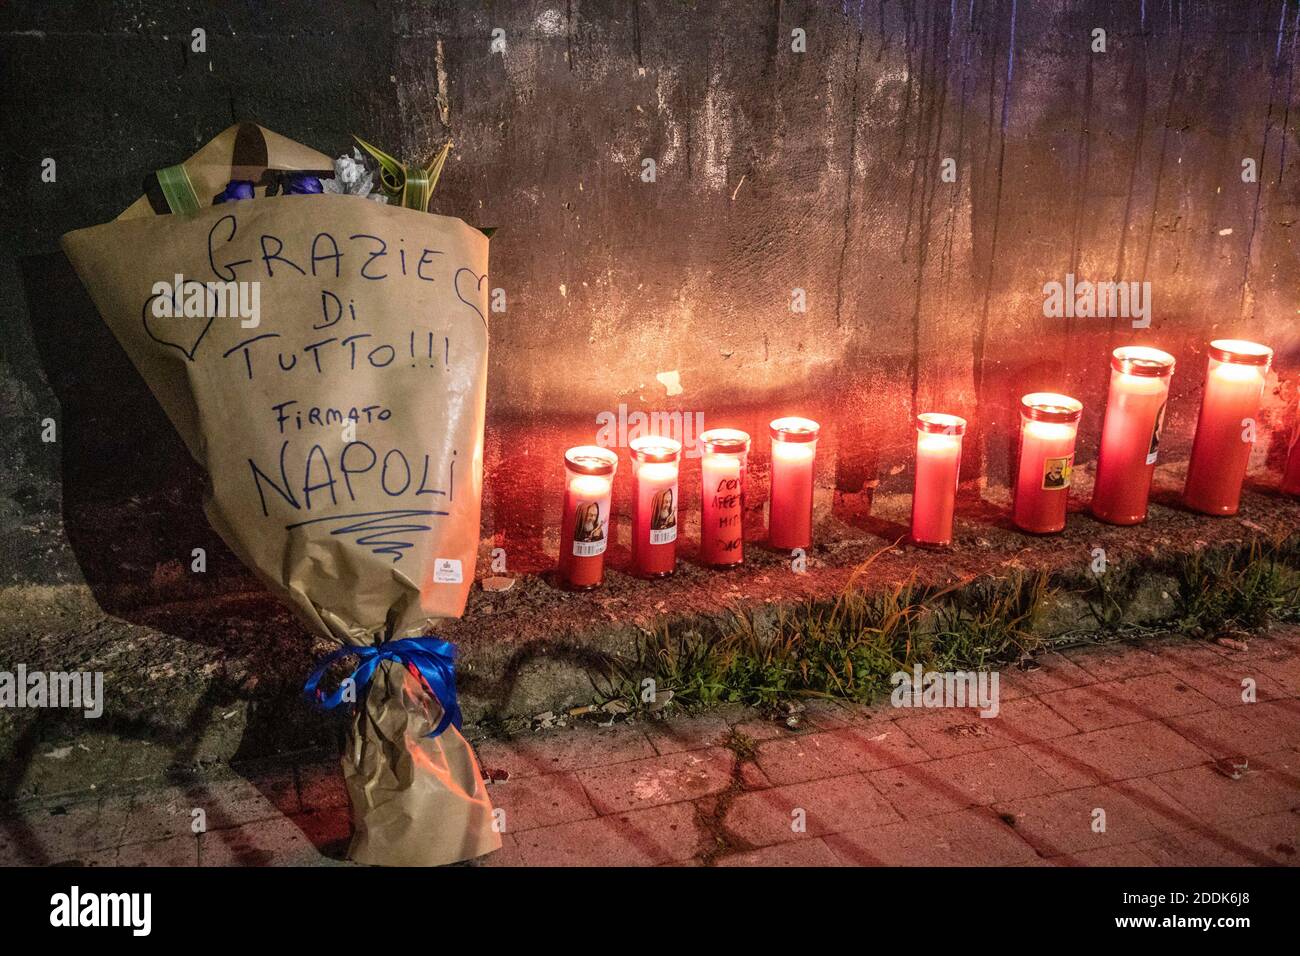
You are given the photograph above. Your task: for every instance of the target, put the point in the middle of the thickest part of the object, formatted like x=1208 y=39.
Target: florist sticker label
x=447 y=571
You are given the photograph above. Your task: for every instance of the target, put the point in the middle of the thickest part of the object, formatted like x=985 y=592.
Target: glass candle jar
x=790 y=506
x=722 y=499
x=1048 y=425
x=1291 y=478
x=1225 y=429
x=655 y=463
x=1130 y=435
x=938 y=464
x=584 y=531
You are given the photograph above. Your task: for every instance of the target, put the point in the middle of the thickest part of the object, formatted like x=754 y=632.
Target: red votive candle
x=584 y=531
x=1130 y=436
x=1048 y=425
x=1234 y=386
x=938 y=463
x=654 y=505
x=794 y=448
x=1291 y=479
x=722 y=499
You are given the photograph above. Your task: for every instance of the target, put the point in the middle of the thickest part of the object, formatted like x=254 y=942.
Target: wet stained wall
x=776 y=171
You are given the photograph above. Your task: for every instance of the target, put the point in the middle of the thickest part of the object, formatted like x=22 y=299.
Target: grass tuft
x=845 y=649
x=849 y=647
x=1245 y=589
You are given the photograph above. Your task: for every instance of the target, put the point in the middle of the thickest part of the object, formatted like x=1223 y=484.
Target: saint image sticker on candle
x=1130 y=435
x=934 y=491
x=722 y=499
x=1225 y=428
x=794 y=449
x=585 y=526
x=1049 y=424
x=655 y=462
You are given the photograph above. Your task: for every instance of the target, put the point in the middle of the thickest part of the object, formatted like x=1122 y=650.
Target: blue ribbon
x=433 y=659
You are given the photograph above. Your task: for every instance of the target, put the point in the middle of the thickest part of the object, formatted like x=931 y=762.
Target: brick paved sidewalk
x=1152 y=736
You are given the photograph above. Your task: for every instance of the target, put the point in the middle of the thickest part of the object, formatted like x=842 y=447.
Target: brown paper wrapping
x=364 y=550
x=403 y=798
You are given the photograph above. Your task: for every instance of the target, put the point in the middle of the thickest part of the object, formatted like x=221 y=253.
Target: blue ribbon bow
x=433 y=659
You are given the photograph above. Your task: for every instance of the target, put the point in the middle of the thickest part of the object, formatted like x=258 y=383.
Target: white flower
x=347 y=171
x=353 y=178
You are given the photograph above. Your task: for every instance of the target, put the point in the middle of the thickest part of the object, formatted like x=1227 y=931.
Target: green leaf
x=412 y=187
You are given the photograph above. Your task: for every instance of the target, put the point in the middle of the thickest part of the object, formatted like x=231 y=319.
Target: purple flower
x=235 y=189
x=301 y=184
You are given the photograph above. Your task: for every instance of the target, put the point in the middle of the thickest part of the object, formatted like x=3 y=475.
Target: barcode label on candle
x=588 y=549
x=1056 y=473
x=447 y=571
x=663 y=535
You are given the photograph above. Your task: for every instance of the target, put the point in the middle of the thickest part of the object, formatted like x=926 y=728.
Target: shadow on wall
x=132 y=495
x=133 y=514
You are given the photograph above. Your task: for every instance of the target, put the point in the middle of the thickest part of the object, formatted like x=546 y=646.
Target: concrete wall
x=776 y=171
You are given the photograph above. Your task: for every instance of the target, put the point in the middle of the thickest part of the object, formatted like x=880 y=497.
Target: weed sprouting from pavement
x=741 y=744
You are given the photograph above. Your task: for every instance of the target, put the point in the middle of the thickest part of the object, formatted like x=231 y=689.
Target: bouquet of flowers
x=324 y=357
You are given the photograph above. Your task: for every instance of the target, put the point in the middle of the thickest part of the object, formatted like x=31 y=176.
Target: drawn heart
x=478 y=284
x=178 y=331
